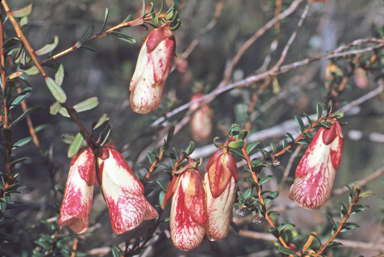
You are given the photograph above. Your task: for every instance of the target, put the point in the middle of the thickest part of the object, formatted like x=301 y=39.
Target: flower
x=123 y=192
x=188 y=210
x=153 y=67
x=77 y=201
x=220 y=182
x=201 y=121
x=317 y=169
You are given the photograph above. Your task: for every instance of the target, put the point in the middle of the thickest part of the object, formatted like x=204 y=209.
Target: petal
x=186 y=233
x=119 y=174
x=220 y=211
x=77 y=202
x=194 y=195
x=86 y=166
x=219 y=174
x=127 y=210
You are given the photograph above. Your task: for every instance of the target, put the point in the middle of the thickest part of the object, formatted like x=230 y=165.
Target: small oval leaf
x=49 y=47
x=57 y=92
x=75 y=146
x=86 y=105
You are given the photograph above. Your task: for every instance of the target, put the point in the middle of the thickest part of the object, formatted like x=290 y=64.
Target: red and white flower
x=77 y=201
x=220 y=181
x=201 y=120
x=317 y=169
x=123 y=192
x=188 y=211
x=152 y=69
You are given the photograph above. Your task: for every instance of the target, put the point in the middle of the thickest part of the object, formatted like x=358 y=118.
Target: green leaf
x=324 y=124
x=25 y=11
x=64 y=112
x=57 y=92
x=302 y=142
x=190 y=148
x=348 y=226
x=151 y=158
x=366 y=194
x=54 y=108
x=236 y=144
x=344 y=210
x=67 y=138
x=116 y=251
x=23 y=22
x=247 y=194
x=301 y=123
x=333 y=244
x=171 y=132
x=319 y=111
x=331 y=220
x=104 y=118
x=310 y=122
x=161 y=184
x=252 y=146
x=12 y=164
x=271 y=196
x=22 y=142
x=243 y=134
x=284 y=225
x=290 y=136
x=91 y=49
x=84 y=38
x=105 y=20
x=86 y=105
x=273 y=212
x=128 y=19
x=33 y=70
x=143 y=9
x=285 y=143
x=287 y=251
x=49 y=47
x=265 y=179
x=59 y=75
x=21 y=96
x=123 y=37
x=75 y=146
x=317 y=238
x=358 y=208
x=173 y=159
x=241 y=196
x=161 y=197
x=22 y=116
x=274 y=148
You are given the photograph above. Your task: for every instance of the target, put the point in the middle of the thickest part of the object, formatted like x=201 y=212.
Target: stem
x=258 y=188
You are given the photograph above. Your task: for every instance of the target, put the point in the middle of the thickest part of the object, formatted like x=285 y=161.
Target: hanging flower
x=201 y=120
x=220 y=181
x=317 y=169
x=123 y=192
x=77 y=201
x=188 y=211
x=152 y=69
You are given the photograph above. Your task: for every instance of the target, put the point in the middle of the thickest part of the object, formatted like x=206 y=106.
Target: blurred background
x=327 y=26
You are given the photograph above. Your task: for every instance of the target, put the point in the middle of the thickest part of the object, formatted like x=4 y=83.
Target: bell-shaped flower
x=123 y=192
x=317 y=169
x=220 y=182
x=152 y=69
x=201 y=120
x=77 y=201
x=188 y=211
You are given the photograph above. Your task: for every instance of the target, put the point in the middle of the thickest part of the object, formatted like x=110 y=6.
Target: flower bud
x=123 y=192
x=77 y=201
x=188 y=211
x=220 y=182
x=201 y=120
x=317 y=169
x=152 y=69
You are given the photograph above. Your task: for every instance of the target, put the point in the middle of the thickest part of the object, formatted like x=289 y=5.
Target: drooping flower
x=77 y=201
x=317 y=169
x=201 y=120
x=220 y=181
x=123 y=192
x=188 y=211
x=152 y=69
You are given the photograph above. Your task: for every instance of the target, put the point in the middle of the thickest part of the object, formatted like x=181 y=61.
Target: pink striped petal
x=219 y=210
x=77 y=201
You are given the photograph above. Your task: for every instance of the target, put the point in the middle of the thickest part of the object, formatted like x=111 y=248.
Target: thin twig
x=203 y=31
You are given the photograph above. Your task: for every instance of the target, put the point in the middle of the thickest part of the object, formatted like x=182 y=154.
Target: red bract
x=201 y=121
x=188 y=211
x=152 y=69
x=220 y=182
x=77 y=202
x=123 y=192
x=317 y=169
